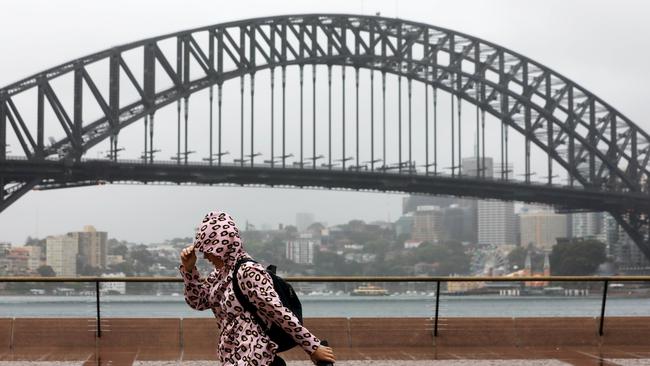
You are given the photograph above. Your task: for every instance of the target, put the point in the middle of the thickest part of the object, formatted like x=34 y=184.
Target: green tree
x=124 y=267
x=577 y=257
x=517 y=257
x=87 y=270
x=45 y=271
x=451 y=258
x=119 y=249
x=328 y=263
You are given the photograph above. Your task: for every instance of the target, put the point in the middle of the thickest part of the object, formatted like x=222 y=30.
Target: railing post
x=99 y=323
x=435 y=325
x=602 y=309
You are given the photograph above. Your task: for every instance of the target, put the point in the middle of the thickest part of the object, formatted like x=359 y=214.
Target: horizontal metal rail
x=352 y=279
x=606 y=280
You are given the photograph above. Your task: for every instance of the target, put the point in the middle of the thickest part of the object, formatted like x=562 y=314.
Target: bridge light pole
x=112 y=154
x=218 y=155
x=252 y=157
x=342 y=161
x=372 y=163
x=314 y=158
x=184 y=156
x=147 y=155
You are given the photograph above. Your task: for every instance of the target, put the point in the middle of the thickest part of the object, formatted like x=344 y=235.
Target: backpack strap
x=239 y=294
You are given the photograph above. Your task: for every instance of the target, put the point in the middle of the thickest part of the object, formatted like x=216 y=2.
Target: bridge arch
x=605 y=151
x=604 y=147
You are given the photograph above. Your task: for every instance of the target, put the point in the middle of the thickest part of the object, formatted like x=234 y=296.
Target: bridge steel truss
x=606 y=156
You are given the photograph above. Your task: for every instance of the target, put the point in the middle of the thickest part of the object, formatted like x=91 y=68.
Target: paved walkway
x=370 y=356
x=609 y=362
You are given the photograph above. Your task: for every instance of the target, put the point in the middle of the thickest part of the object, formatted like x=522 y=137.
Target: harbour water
x=333 y=306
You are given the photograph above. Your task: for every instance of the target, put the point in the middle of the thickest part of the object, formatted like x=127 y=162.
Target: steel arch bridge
x=604 y=155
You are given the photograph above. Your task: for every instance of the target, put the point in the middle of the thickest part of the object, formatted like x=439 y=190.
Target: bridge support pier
x=636 y=224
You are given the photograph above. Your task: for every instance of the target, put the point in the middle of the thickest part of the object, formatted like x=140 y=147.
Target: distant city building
x=586 y=224
x=473 y=165
x=427 y=224
x=93 y=246
x=542 y=229
x=301 y=250
x=609 y=235
x=5 y=264
x=404 y=225
x=62 y=254
x=410 y=244
x=4 y=249
x=18 y=260
x=34 y=260
x=360 y=257
x=303 y=220
x=411 y=203
x=112 y=259
x=628 y=256
x=459 y=222
x=113 y=287
x=497 y=223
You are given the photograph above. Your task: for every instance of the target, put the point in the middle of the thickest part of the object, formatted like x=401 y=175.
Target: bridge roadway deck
x=357 y=341
x=60 y=174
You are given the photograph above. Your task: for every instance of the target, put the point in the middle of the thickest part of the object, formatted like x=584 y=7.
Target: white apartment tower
x=62 y=253
x=301 y=250
x=497 y=223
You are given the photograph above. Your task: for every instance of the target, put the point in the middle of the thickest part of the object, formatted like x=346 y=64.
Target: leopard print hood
x=218 y=234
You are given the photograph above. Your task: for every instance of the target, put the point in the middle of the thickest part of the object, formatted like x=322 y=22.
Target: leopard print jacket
x=242 y=341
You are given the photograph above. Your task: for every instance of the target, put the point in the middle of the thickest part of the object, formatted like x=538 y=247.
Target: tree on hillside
x=45 y=271
x=445 y=258
x=119 y=249
x=517 y=257
x=577 y=257
x=34 y=242
x=328 y=263
x=316 y=227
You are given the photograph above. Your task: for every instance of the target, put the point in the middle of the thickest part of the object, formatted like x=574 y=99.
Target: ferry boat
x=369 y=290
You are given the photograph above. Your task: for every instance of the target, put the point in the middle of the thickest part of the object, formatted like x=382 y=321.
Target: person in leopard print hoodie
x=242 y=341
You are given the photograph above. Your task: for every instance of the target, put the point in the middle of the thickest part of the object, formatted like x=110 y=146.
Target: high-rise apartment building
x=93 y=247
x=301 y=250
x=586 y=224
x=34 y=260
x=61 y=254
x=542 y=229
x=428 y=224
x=497 y=223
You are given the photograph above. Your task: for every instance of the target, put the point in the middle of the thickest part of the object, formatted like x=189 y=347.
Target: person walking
x=242 y=341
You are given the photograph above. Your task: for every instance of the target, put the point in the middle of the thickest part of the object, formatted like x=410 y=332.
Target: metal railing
x=605 y=280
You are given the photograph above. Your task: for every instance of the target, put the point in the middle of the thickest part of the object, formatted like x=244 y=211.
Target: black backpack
x=288 y=297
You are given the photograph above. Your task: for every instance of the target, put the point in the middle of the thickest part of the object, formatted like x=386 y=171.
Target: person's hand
x=323 y=353
x=188 y=257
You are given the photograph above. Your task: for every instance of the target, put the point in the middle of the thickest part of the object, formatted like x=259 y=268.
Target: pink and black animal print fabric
x=242 y=340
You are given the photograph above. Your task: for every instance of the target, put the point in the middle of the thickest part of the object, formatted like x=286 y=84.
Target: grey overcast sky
x=602 y=45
